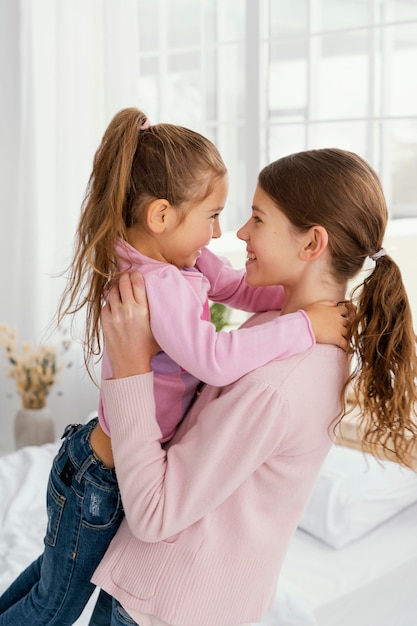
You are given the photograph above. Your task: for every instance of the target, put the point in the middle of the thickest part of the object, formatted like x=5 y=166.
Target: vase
x=33 y=427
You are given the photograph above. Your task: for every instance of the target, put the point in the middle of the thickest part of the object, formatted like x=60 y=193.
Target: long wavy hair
x=135 y=164
x=340 y=191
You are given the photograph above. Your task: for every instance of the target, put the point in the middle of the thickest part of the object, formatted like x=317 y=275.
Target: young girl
x=209 y=516
x=153 y=202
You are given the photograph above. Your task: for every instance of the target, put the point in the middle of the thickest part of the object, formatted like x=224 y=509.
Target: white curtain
x=66 y=67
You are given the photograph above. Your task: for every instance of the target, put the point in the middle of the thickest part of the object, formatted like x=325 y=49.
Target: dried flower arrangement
x=35 y=369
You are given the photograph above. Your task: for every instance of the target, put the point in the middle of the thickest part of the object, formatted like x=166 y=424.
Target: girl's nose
x=242 y=233
x=217 y=231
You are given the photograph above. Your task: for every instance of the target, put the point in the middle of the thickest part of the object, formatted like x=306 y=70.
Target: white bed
x=352 y=562
x=371 y=582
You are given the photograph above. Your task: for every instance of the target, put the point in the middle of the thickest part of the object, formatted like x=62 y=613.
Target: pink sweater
x=210 y=515
x=192 y=350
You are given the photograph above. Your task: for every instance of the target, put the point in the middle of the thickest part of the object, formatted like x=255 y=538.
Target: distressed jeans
x=84 y=511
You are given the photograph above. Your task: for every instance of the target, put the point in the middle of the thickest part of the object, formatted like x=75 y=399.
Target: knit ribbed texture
x=208 y=519
x=141 y=395
x=206 y=589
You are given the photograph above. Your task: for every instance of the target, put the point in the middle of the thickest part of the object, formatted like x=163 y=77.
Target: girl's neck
x=315 y=283
x=144 y=243
x=301 y=297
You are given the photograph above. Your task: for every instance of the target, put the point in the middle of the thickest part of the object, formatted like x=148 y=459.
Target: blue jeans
x=84 y=511
x=120 y=617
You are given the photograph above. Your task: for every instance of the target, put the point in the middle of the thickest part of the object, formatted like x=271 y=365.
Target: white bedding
x=370 y=582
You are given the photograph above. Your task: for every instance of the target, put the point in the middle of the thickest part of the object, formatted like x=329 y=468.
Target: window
x=263 y=78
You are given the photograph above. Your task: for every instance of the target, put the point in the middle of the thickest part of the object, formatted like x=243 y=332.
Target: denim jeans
x=84 y=511
x=120 y=617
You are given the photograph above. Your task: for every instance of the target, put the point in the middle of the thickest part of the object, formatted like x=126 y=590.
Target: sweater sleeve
x=228 y=286
x=217 y=358
x=182 y=484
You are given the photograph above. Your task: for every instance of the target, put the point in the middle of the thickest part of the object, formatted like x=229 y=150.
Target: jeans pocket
x=102 y=507
x=55 y=506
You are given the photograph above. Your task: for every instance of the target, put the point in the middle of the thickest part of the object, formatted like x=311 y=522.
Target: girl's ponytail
x=384 y=377
x=102 y=221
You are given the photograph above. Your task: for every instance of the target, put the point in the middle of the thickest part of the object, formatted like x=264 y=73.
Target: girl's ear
x=316 y=241
x=157 y=214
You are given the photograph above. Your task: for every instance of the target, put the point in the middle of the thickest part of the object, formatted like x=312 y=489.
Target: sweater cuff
x=130 y=405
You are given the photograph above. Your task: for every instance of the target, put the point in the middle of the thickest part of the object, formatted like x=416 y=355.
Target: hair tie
x=145 y=125
x=378 y=255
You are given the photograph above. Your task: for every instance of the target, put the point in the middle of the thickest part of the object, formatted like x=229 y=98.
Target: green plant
x=219 y=315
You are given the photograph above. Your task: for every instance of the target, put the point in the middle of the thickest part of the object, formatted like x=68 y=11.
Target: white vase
x=33 y=427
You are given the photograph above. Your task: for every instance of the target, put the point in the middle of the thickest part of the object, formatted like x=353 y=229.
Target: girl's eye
x=215 y=216
x=256 y=219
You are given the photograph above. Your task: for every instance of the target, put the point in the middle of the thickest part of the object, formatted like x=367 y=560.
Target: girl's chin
x=256 y=279
x=250 y=274
x=250 y=280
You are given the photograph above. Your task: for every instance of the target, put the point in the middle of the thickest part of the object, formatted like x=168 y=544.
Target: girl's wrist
x=124 y=370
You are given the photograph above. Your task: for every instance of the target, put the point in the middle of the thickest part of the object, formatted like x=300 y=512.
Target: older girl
x=210 y=515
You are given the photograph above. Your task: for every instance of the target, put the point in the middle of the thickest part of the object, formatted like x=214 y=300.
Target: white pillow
x=354 y=493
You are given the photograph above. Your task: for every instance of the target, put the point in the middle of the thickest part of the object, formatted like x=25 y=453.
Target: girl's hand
x=330 y=322
x=129 y=341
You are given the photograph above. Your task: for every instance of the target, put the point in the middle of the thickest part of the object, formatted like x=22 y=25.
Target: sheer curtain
x=65 y=68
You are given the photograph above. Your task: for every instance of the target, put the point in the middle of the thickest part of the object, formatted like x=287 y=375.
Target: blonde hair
x=135 y=164
x=341 y=192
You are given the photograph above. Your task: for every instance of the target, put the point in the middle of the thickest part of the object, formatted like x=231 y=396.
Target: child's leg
x=22 y=585
x=84 y=512
x=101 y=615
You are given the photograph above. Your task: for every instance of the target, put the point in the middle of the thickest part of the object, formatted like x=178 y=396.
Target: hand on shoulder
x=126 y=328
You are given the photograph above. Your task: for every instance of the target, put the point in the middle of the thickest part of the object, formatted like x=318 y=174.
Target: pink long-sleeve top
x=192 y=350
x=210 y=514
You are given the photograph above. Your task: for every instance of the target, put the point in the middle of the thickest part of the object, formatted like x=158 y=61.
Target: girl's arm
x=220 y=358
x=228 y=286
x=217 y=358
